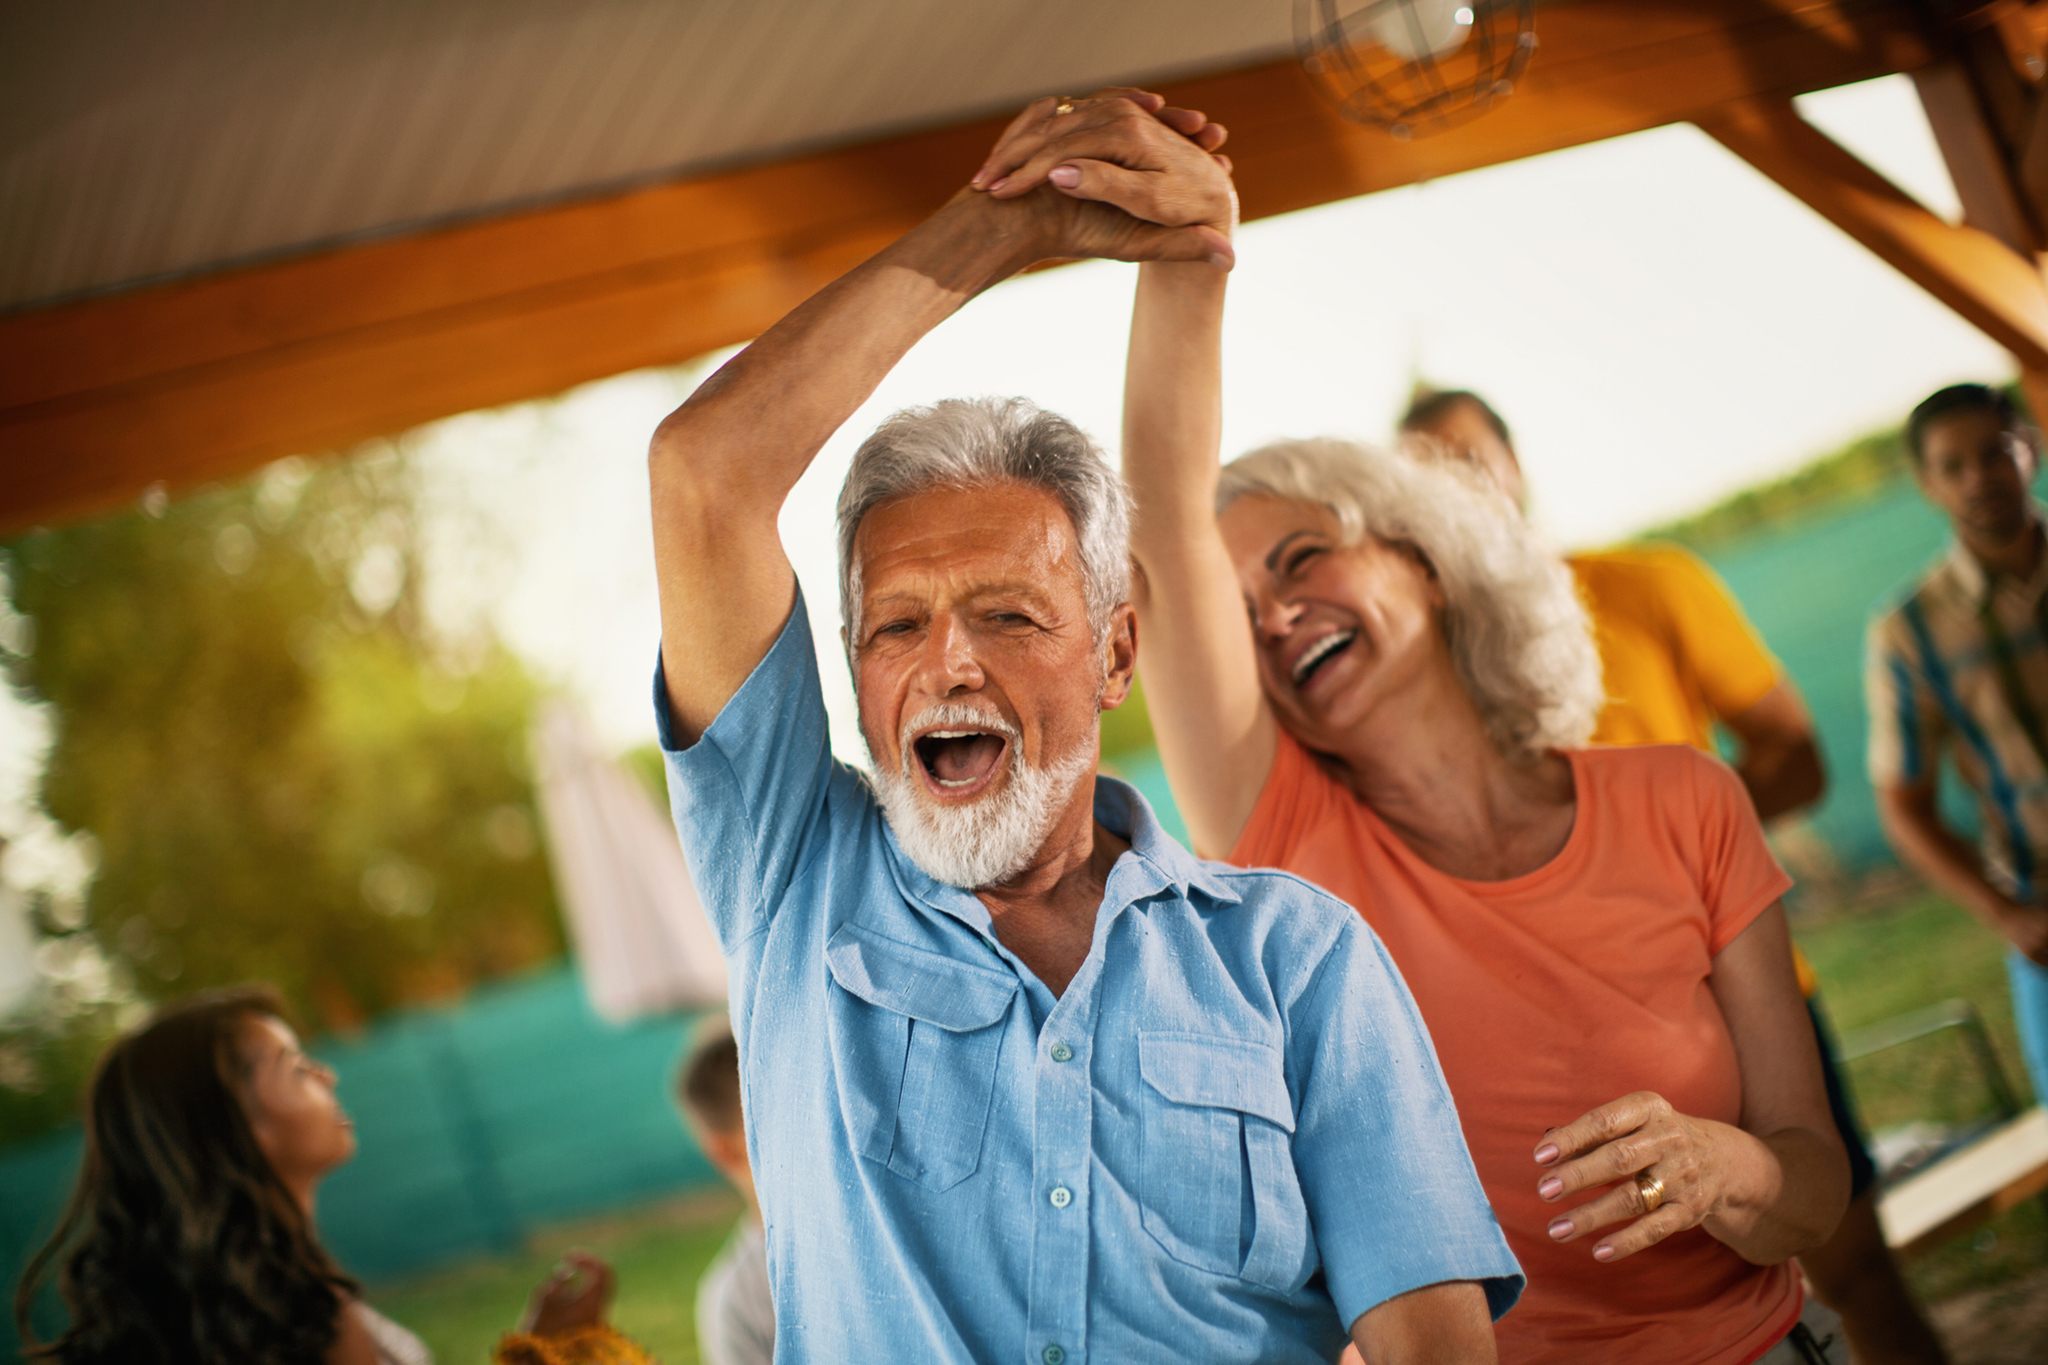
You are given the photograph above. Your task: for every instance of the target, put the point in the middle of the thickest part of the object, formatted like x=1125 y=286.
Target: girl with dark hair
x=189 y=1239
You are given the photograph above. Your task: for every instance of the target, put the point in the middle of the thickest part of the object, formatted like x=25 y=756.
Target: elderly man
x=1025 y=1081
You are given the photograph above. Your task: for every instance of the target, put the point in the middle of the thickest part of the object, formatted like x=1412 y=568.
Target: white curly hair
x=1512 y=617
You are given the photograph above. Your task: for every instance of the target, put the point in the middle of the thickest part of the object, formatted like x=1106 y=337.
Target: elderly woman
x=1594 y=936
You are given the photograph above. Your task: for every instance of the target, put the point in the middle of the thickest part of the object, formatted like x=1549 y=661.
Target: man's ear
x=1119 y=657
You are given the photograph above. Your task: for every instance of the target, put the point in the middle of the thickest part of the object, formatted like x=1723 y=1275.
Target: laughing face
x=1338 y=628
x=978 y=677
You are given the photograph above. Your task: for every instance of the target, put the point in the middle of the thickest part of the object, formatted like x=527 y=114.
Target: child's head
x=708 y=1091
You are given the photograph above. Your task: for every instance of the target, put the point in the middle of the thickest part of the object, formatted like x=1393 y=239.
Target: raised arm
x=1217 y=736
x=1215 y=733
x=722 y=464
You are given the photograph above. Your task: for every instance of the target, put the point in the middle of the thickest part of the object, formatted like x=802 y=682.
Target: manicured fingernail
x=999 y=184
x=1221 y=261
x=1603 y=1253
x=1561 y=1229
x=1551 y=1188
x=1546 y=1154
x=1066 y=177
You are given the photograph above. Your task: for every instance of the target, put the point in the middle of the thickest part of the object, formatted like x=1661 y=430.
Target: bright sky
x=1660 y=324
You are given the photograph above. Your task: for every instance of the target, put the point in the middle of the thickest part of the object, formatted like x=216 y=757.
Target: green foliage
x=46 y=1058
x=1861 y=467
x=285 y=772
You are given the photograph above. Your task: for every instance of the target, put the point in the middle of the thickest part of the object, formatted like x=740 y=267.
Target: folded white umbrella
x=642 y=942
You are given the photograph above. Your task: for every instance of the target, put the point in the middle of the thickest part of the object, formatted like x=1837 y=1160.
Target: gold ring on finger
x=1063 y=105
x=1651 y=1188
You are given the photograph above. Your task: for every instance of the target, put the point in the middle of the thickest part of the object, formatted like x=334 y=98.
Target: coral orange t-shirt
x=1552 y=993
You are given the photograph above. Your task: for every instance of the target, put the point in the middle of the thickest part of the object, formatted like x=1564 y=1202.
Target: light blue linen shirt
x=1226 y=1140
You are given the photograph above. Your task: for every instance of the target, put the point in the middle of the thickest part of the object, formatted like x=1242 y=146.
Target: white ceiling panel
x=142 y=140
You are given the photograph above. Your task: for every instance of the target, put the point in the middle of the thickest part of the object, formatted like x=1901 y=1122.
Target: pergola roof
x=235 y=231
x=141 y=140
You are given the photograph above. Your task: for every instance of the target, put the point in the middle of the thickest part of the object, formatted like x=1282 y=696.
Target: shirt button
x=1062 y=1053
x=1061 y=1196
x=1052 y=1355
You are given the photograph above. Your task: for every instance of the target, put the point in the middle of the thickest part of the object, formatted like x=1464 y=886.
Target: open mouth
x=958 y=760
x=1321 y=652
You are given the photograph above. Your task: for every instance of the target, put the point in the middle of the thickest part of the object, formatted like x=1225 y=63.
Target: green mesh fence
x=1810 y=587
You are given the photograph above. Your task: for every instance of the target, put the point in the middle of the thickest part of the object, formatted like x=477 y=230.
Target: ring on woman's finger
x=1063 y=104
x=1651 y=1188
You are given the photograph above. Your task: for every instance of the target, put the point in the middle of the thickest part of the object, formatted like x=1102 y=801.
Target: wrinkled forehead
x=957 y=539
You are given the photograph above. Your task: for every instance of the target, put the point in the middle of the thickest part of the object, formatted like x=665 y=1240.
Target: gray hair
x=1516 y=628
x=967 y=442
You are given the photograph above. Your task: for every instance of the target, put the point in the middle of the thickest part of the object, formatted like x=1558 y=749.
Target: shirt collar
x=1156 y=862
x=1975 y=580
x=1125 y=812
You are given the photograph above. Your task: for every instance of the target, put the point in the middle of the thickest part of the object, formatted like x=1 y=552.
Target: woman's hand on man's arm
x=1769 y=1188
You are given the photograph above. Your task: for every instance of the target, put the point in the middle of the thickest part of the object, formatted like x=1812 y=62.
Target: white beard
x=993 y=838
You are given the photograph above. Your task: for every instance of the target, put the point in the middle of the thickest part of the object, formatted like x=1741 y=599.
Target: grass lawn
x=1883 y=960
x=658 y=1253
x=1874 y=961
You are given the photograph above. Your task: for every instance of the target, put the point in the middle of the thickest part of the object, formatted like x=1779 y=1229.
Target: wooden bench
x=1996 y=1172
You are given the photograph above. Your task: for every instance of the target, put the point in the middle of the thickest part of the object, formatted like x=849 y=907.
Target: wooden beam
x=1996 y=289
x=1977 y=160
x=207 y=378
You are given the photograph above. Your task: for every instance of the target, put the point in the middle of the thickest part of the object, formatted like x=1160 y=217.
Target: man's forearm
x=752 y=429
x=1780 y=763
x=722 y=464
x=1943 y=860
x=1438 y=1324
x=1782 y=778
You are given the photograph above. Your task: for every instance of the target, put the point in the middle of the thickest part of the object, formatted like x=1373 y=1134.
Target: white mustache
x=955 y=715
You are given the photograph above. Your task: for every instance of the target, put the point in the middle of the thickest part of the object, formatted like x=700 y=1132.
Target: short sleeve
x=1390 y=1187
x=1905 y=724
x=1739 y=878
x=749 y=795
x=1720 y=647
x=1296 y=795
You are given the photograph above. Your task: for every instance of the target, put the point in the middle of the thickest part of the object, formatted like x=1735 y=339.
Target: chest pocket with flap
x=1216 y=1164
x=918 y=1041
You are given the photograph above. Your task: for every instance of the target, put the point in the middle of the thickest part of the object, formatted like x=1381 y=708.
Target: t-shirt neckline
x=1562 y=864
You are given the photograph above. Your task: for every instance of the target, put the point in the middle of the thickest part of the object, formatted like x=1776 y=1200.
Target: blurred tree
x=286 y=772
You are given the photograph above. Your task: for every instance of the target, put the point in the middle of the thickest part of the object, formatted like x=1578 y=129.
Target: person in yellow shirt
x=1678 y=656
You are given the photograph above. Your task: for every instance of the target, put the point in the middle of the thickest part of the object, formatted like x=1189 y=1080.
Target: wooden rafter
x=204 y=379
x=1980 y=277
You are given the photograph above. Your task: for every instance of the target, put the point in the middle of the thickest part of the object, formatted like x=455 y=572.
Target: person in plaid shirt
x=1961 y=665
